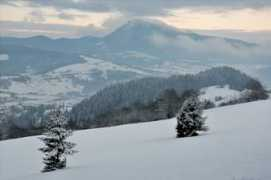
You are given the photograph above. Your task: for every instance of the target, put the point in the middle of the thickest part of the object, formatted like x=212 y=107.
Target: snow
x=58 y=85
x=4 y=95
x=169 y=68
x=42 y=86
x=67 y=84
x=43 y=89
x=83 y=70
x=225 y=93
x=4 y=57
x=237 y=147
x=70 y=84
x=138 y=55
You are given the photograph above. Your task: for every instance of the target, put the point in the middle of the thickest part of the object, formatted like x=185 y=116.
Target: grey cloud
x=67 y=16
x=261 y=37
x=36 y=16
x=213 y=47
x=31 y=27
x=9 y=2
x=28 y=28
x=145 y=7
x=94 y=6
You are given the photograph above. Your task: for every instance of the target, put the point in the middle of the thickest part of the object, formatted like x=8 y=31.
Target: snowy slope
x=237 y=147
x=218 y=95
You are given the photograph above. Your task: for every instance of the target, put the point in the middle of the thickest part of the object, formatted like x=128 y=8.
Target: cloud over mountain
x=142 y=7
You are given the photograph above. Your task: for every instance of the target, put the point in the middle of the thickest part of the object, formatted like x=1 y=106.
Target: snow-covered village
x=145 y=90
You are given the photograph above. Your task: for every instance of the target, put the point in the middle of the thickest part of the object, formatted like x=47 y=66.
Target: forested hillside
x=143 y=95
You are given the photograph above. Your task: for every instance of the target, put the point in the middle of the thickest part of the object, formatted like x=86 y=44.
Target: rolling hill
x=235 y=148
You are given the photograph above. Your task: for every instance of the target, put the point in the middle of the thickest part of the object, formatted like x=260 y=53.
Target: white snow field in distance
x=237 y=147
x=4 y=57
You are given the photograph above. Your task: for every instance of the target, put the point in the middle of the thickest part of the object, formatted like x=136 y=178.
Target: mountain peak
x=143 y=23
x=140 y=28
x=39 y=37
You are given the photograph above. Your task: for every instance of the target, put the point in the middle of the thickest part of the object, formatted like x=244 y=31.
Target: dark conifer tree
x=190 y=119
x=56 y=147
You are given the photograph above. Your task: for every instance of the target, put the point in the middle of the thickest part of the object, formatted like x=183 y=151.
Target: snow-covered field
x=218 y=94
x=237 y=147
x=69 y=84
x=83 y=70
x=58 y=85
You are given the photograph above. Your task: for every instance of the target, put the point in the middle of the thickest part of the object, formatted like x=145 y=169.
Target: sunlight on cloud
x=80 y=18
x=245 y=19
x=196 y=18
x=11 y=13
x=52 y=16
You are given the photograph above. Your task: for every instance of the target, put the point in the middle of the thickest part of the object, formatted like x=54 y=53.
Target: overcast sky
x=73 y=18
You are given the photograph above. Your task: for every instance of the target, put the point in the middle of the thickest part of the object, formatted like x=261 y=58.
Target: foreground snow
x=237 y=147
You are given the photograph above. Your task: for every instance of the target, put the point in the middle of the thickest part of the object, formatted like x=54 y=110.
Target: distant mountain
x=155 y=42
x=149 y=38
x=134 y=50
x=132 y=35
x=128 y=36
x=165 y=43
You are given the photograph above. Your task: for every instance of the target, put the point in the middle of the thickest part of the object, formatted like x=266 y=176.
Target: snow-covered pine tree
x=56 y=147
x=190 y=119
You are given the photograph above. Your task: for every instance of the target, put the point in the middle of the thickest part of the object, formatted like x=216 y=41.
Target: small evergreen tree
x=190 y=119
x=56 y=147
